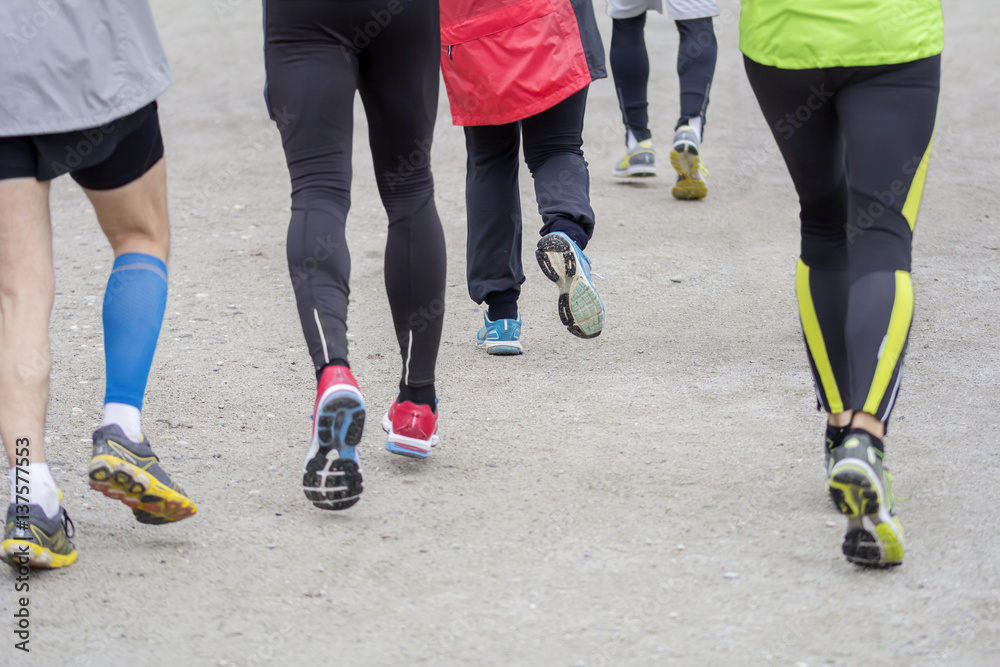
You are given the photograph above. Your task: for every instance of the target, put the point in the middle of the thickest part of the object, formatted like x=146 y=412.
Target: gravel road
x=651 y=497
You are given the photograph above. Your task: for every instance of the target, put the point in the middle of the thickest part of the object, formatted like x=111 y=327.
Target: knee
x=630 y=29
x=26 y=292
x=697 y=43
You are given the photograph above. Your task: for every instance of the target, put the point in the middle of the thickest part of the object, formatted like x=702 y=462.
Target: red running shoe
x=331 y=475
x=412 y=429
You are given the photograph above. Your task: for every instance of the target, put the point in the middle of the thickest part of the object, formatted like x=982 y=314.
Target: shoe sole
x=688 y=186
x=39 y=558
x=504 y=350
x=402 y=445
x=332 y=478
x=580 y=307
x=636 y=171
x=501 y=348
x=152 y=502
x=874 y=537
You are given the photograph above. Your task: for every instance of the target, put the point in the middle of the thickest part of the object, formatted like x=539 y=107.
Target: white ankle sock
x=695 y=124
x=631 y=142
x=126 y=416
x=41 y=488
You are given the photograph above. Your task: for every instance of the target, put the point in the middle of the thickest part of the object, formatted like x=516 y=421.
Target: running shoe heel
x=685 y=157
x=862 y=490
x=580 y=307
x=412 y=429
x=332 y=478
x=35 y=540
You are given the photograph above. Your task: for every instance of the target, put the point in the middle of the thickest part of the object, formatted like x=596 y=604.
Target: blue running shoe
x=501 y=337
x=331 y=476
x=580 y=306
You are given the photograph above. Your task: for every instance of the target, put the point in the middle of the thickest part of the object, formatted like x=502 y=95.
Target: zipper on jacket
x=450 y=46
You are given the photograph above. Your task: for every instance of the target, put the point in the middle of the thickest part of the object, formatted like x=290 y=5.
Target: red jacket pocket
x=511 y=63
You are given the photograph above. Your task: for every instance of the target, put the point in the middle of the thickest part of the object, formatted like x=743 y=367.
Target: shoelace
x=68 y=525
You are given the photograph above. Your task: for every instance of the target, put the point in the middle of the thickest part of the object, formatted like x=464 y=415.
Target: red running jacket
x=506 y=60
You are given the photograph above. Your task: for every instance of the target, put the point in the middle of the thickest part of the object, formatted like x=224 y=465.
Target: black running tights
x=317 y=55
x=696 y=56
x=856 y=142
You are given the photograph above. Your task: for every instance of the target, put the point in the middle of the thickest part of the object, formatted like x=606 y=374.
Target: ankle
x=839 y=419
x=418 y=395
x=502 y=305
x=868 y=423
x=333 y=363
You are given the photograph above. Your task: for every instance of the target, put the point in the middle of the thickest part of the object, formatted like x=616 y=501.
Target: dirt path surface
x=653 y=496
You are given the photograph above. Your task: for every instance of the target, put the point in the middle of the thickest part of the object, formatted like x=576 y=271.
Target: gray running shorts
x=677 y=10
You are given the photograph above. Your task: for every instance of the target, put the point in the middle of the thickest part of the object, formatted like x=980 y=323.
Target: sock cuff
x=876 y=441
x=138 y=260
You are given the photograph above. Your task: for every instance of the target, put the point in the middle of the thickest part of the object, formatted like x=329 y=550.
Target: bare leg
x=839 y=419
x=27 y=289
x=869 y=423
x=134 y=219
x=134 y=216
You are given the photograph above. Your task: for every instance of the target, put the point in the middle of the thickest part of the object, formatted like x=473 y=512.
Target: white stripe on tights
x=409 y=353
x=326 y=353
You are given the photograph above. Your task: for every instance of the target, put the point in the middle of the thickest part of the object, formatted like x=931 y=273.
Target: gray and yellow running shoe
x=130 y=472
x=685 y=156
x=35 y=540
x=639 y=162
x=862 y=490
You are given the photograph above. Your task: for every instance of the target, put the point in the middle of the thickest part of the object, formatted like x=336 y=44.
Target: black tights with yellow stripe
x=856 y=142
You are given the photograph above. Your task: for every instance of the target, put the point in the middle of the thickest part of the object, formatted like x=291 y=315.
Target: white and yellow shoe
x=685 y=156
x=640 y=162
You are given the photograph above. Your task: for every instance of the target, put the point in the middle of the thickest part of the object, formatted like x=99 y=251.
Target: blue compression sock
x=134 y=303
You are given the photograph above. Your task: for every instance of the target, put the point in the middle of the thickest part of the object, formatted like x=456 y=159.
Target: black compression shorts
x=100 y=158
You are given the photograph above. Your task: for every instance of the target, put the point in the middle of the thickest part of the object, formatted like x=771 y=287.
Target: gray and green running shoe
x=639 y=162
x=130 y=472
x=862 y=490
x=35 y=540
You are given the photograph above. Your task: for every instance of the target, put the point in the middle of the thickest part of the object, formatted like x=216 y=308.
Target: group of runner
x=516 y=72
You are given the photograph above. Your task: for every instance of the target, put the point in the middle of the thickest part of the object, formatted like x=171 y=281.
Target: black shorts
x=100 y=158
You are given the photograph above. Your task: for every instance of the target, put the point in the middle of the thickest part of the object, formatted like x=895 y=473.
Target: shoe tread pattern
x=335 y=482
x=152 y=502
x=870 y=541
x=690 y=177
x=580 y=308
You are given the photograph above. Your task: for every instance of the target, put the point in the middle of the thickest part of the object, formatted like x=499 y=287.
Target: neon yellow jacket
x=809 y=34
